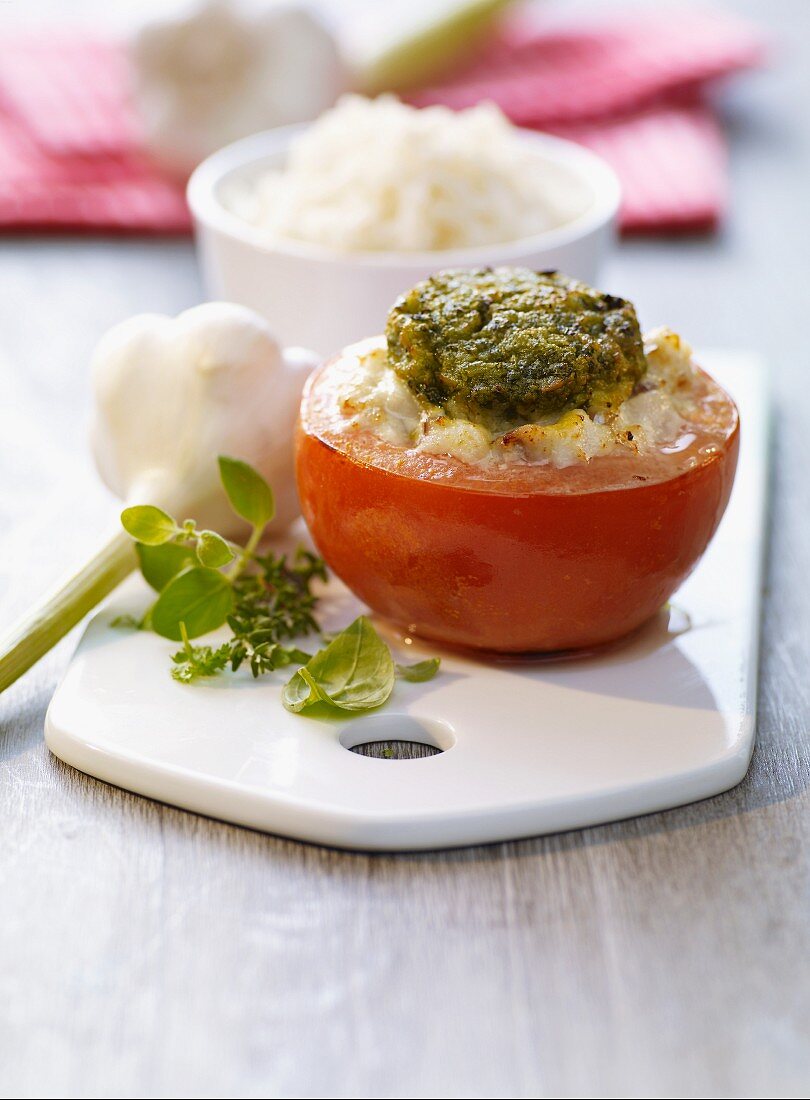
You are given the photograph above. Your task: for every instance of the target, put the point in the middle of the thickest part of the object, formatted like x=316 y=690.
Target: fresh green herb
x=419 y=672
x=354 y=672
x=160 y=563
x=205 y=581
x=149 y=525
x=213 y=550
x=250 y=495
x=274 y=603
x=195 y=662
x=199 y=598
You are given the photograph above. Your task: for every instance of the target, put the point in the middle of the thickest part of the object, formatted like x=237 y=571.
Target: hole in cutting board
x=397 y=737
x=396 y=750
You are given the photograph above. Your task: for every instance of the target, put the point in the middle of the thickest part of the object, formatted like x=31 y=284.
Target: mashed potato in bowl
x=378 y=175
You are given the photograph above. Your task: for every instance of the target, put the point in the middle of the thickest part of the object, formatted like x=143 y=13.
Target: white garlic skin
x=173 y=393
x=214 y=73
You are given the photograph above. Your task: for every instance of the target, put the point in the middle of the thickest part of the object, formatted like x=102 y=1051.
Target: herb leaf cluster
x=205 y=581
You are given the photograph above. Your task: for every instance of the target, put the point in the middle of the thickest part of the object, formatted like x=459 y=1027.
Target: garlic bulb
x=215 y=73
x=173 y=393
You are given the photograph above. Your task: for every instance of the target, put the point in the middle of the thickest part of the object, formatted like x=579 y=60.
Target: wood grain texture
x=149 y=952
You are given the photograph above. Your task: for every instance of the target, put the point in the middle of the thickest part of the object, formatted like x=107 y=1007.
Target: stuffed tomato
x=513 y=468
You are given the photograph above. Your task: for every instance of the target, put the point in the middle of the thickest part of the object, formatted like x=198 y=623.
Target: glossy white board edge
x=665 y=719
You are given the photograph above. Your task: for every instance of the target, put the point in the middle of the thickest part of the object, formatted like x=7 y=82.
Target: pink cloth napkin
x=71 y=155
x=70 y=151
x=631 y=90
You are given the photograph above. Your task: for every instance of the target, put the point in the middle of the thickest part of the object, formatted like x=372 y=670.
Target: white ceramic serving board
x=662 y=720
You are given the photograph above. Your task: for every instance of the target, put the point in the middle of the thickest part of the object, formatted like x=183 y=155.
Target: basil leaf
x=306 y=692
x=354 y=672
x=148 y=524
x=292 y=656
x=250 y=495
x=213 y=550
x=420 y=672
x=160 y=563
x=199 y=597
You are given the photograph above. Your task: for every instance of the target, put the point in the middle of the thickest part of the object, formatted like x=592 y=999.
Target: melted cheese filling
x=659 y=415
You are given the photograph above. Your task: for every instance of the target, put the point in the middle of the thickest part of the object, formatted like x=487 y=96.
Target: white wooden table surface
x=145 y=951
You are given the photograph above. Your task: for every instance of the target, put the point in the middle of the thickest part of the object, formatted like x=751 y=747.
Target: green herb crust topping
x=509 y=344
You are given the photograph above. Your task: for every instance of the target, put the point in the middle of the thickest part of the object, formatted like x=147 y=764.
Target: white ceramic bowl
x=324 y=299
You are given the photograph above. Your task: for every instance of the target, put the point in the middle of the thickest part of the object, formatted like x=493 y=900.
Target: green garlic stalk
x=170 y=395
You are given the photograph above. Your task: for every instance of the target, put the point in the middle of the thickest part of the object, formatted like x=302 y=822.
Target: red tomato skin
x=523 y=573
